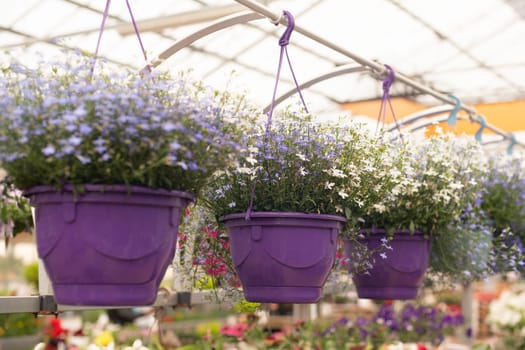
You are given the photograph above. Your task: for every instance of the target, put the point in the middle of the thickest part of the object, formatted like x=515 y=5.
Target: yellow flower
x=104 y=339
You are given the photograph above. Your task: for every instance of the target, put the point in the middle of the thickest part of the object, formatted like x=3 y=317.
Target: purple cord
x=283 y=42
x=387 y=83
x=103 y=25
x=138 y=35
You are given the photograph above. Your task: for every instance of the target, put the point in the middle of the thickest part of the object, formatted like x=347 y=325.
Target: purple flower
x=169 y=126
x=85 y=129
x=74 y=140
x=49 y=150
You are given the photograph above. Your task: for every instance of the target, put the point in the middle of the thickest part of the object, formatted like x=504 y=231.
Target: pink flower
x=236 y=331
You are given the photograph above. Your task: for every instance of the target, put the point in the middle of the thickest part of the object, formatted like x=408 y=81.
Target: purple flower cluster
x=61 y=123
x=413 y=323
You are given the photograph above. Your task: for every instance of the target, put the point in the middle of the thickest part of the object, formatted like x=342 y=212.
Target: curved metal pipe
x=437 y=120
x=346 y=69
x=223 y=23
x=411 y=118
x=440 y=120
x=440 y=110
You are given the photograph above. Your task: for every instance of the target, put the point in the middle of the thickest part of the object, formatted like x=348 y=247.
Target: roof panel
x=504 y=49
x=41 y=19
x=458 y=47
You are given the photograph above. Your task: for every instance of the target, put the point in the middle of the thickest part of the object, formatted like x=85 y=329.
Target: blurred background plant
x=15 y=212
x=507 y=318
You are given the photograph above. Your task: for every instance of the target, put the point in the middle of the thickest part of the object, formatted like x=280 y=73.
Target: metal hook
x=483 y=124
x=387 y=82
x=453 y=117
x=513 y=141
x=285 y=38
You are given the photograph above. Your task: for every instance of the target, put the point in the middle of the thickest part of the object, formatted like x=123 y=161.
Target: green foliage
x=15 y=212
x=504 y=193
x=246 y=307
x=18 y=324
x=31 y=274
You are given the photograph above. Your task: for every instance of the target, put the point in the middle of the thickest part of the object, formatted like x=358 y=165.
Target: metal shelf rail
x=46 y=304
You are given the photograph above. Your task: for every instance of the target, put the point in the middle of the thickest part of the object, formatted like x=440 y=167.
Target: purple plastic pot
x=110 y=245
x=400 y=274
x=283 y=257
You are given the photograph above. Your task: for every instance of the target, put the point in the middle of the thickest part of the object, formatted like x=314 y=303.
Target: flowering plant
x=503 y=198
x=414 y=184
x=485 y=238
x=413 y=323
x=292 y=166
x=203 y=259
x=467 y=250
x=507 y=316
x=15 y=212
x=63 y=124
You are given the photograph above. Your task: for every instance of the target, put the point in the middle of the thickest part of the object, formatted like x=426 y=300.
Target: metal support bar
x=375 y=66
x=411 y=118
x=46 y=304
x=442 y=110
x=212 y=28
x=12 y=305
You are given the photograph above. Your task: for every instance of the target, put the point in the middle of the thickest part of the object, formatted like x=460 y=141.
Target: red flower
x=56 y=329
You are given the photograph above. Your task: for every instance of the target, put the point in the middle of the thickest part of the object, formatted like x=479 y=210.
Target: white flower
x=244 y=170
x=251 y=160
x=231 y=204
x=302 y=171
x=328 y=185
x=137 y=345
x=431 y=172
x=342 y=194
x=301 y=157
x=336 y=173
x=379 y=207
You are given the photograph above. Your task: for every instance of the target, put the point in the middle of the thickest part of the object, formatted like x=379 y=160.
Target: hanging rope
x=385 y=99
x=284 y=40
x=103 y=25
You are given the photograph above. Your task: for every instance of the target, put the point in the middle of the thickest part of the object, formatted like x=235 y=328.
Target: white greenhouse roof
x=470 y=48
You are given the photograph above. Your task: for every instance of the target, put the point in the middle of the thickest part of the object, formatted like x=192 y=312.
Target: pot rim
x=282 y=215
x=102 y=188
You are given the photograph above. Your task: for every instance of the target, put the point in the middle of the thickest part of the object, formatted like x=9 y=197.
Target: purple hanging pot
x=283 y=257
x=109 y=245
x=398 y=276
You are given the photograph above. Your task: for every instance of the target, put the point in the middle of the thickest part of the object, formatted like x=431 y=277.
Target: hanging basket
x=398 y=276
x=283 y=257
x=109 y=245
